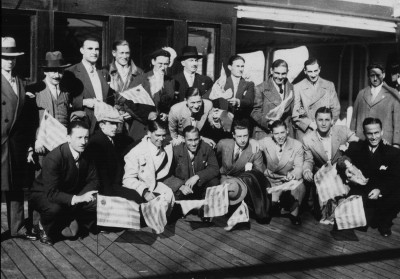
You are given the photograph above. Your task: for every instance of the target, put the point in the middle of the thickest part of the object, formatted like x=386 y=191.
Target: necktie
x=92 y=69
x=280 y=88
x=77 y=161
x=159 y=151
x=236 y=155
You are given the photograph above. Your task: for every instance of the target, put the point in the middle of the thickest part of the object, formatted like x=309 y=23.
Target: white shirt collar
x=188 y=75
x=88 y=66
x=6 y=74
x=235 y=80
x=75 y=153
x=153 y=149
x=324 y=138
x=120 y=68
x=277 y=86
x=376 y=90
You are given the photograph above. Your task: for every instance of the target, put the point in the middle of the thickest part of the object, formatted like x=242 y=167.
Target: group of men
x=182 y=143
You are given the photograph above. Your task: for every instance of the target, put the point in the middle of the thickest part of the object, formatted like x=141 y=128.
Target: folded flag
x=240 y=215
x=329 y=184
x=188 y=205
x=288 y=186
x=216 y=201
x=51 y=132
x=217 y=91
x=117 y=212
x=350 y=213
x=278 y=111
x=138 y=95
x=155 y=213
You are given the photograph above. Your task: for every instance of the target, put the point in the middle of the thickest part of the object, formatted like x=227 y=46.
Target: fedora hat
x=54 y=60
x=237 y=190
x=9 y=47
x=189 y=52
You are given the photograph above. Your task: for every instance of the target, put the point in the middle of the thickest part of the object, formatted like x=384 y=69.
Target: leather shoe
x=385 y=232
x=45 y=239
x=295 y=220
x=27 y=236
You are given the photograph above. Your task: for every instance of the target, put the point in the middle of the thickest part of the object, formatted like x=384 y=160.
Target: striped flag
x=288 y=186
x=216 y=201
x=51 y=132
x=155 y=213
x=350 y=213
x=188 y=205
x=117 y=212
x=217 y=90
x=241 y=215
x=277 y=112
x=138 y=95
x=329 y=184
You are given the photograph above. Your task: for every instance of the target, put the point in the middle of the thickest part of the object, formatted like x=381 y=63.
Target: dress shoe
x=27 y=236
x=295 y=220
x=385 y=232
x=45 y=239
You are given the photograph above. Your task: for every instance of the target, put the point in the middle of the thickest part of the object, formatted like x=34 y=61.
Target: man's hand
x=308 y=175
x=163 y=116
x=186 y=190
x=290 y=176
x=235 y=102
x=39 y=148
x=209 y=141
x=192 y=181
x=87 y=197
x=149 y=196
x=30 y=159
x=126 y=116
x=255 y=145
x=152 y=115
x=374 y=194
x=313 y=125
x=178 y=140
x=89 y=103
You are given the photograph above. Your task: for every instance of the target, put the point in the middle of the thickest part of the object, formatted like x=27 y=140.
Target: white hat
x=105 y=112
x=9 y=47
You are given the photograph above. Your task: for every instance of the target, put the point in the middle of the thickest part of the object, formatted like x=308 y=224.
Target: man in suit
x=63 y=193
x=310 y=94
x=269 y=95
x=284 y=156
x=88 y=83
x=381 y=164
x=16 y=136
x=378 y=101
x=189 y=76
x=324 y=144
x=195 y=166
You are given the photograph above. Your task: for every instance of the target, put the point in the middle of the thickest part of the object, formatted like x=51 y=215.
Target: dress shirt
x=372 y=149
x=280 y=88
x=75 y=154
x=123 y=71
x=235 y=81
x=237 y=150
x=53 y=89
x=95 y=80
x=375 y=91
x=326 y=144
x=189 y=77
x=156 y=83
x=12 y=80
x=279 y=150
x=158 y=154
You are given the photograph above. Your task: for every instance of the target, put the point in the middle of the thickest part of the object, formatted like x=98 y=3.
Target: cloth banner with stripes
x=117 y=212
x=216 y=201
x=241 y=215
x=288 y=186
x=277 y=112
x=217 y=90
x=329 y=184
x=188 y=205
x=350 y=213
x=138 y=95
x=155 y=213
x=51 y=132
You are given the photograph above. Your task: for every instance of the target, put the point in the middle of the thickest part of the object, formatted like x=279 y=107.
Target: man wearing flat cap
x=189 y=76
x=16 y=136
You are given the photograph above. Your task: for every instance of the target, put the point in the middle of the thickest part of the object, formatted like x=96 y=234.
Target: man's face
x=160 y=64
x=241 y=137
x=122 y=55
x=194 y=103
x=373 y=133
x=237 y=68
x=192 y=141
x=8 y=63
x=109 y=128
x=78 y=139
x=90 y=51
x=324 y=122
x=279 y=74
x=376 y=77
x=396 y=78
x=312 y=72
x=190 y=65
x=54 y=76
x=280 y=134
x=158 y=136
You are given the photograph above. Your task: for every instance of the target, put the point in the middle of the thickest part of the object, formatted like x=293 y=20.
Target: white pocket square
x=383 y=167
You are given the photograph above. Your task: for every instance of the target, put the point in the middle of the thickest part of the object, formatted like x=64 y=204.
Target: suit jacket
x=382 y=167
x=60 y=178
x=225 y=149
x=386 y=107
x=245 y=93
x=310 y=99
x=140 y=173
x=203 y=83
x=81 y=88
x=179 y=117
x=114 y=79
x=291 y=161
x=314 y=154
x=266 y=99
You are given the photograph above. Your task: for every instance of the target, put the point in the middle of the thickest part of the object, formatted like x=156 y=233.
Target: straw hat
x=9 y=47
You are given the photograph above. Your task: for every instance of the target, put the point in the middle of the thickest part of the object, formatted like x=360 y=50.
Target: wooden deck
x=191 y=249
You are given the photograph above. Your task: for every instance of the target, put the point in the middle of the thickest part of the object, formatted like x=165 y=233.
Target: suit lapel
x=104 y=85
x=84 y=76
x=335 y=145
x=228 y=156
x=244 y=157
x=286 y=154
x=203 y=118
x=47 y=99
x=273 y=160
x=272 y=94
x=319 y=149
x=183 y=153
x=379 y=97
x=241 y=88
x=229 y=84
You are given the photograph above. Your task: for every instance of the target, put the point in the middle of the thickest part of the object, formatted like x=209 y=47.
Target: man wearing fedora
x=189 y=76
x=15 y=139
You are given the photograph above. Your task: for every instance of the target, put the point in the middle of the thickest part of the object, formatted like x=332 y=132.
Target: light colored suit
x=179 y=117
x=386 y=107
x=311 y=98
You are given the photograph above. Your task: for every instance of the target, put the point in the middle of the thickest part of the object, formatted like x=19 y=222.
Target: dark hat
x=54 y=60
x=9 y=47
x=189 y=52
x=237 y=190
x=160 y=52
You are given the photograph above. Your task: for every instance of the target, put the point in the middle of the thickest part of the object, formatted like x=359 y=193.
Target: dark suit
x=383 y=170
x=58 y=182
x=245 y=93
x=77 y=78
x=203 y=83
x=205 y=165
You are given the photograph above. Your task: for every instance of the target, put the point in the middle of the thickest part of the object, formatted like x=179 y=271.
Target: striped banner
x=51 y=132
x=138 y=95
x=241 y=215
x=288 y=186
x=117 y=212
x=188 y=205
x=155 y=213
x=329 y=184
x=216 y=201
x=277 y=112
x=350 y=213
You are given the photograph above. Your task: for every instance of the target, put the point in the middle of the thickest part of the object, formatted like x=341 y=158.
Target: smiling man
x=381 y=164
